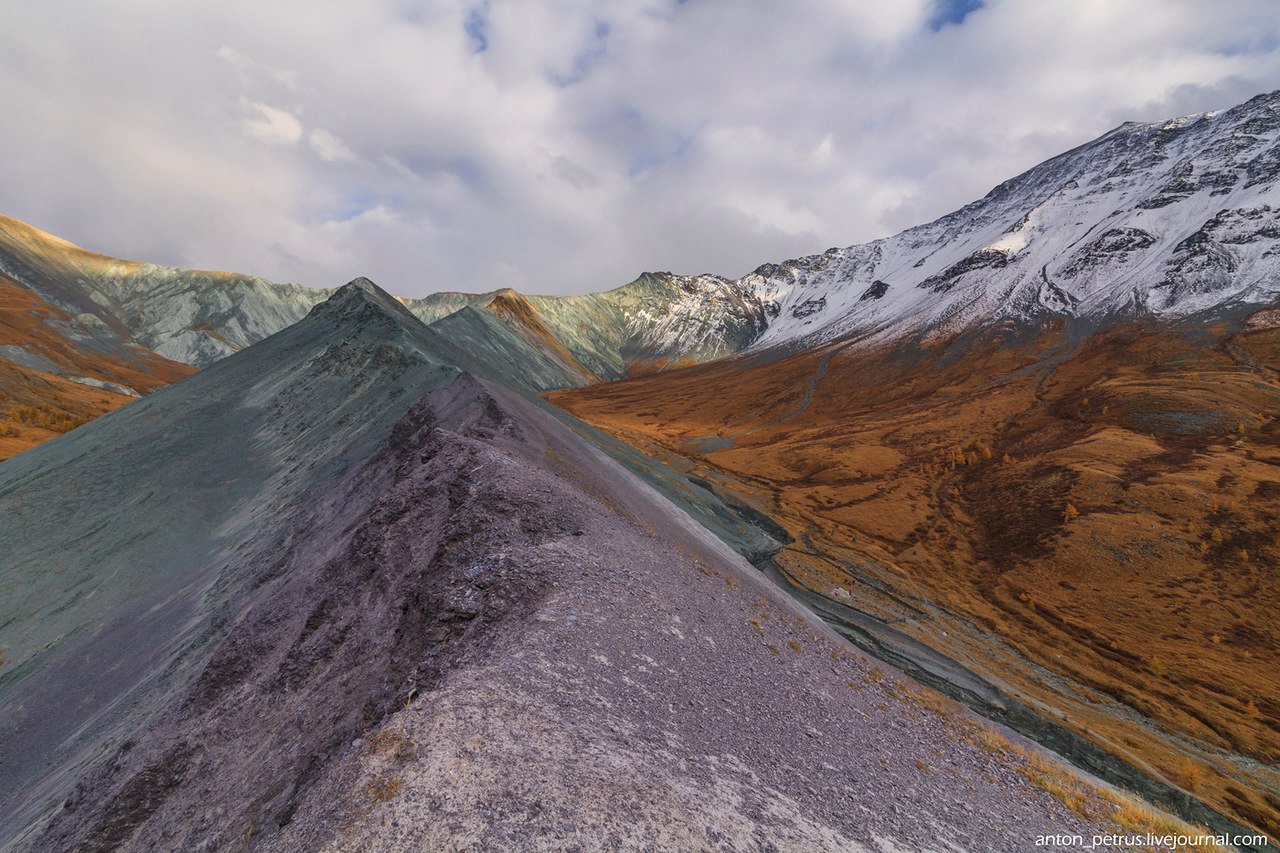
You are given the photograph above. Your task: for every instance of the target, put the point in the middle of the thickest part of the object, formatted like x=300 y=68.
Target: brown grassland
x=1091 y=523
x=36 y=406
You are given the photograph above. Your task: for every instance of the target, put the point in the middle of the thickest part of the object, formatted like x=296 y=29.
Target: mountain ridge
x=1021 y=251
x=155 y=520
x=371 y=565
x=1187 y=205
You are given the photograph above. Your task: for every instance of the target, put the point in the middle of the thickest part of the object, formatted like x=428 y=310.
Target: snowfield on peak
x=1169 y=219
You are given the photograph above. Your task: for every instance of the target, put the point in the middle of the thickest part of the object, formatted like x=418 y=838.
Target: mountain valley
x=274 y=622
x=335 y=567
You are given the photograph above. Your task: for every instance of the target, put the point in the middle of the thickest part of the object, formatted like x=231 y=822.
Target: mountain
x=501 y=353
x=189 y=316
x=1026 y=453
x=1031 y=452
x=129 y=541
x=132 y=543
x=658 y=321
x=513 y=318
x=198 y=317
x=335 y=591
x=1169 y=219
x=82 y=333
x=59 y=370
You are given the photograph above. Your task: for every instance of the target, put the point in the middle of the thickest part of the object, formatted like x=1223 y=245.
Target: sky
x=564 y=146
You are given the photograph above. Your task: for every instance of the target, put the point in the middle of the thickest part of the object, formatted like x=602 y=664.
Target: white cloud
x=329 y=147
x=250 y=67
x=271 y=124
x=565 y=145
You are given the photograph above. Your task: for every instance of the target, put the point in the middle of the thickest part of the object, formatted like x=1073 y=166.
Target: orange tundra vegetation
x=36 y=405
x=1091 y=524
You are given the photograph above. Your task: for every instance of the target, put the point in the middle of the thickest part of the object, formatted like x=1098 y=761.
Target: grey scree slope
x=130 y=544
x=476 y=632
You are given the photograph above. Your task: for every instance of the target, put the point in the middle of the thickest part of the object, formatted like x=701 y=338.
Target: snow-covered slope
x=1170 y=219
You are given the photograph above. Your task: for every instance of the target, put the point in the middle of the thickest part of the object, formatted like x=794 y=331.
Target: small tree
x=1190 y=774
x=1070 y=513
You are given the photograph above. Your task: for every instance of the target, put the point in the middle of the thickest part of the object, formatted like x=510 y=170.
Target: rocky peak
x=360 y=298
x=1083 y=234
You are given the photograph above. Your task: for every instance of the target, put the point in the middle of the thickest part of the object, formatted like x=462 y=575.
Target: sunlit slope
x=191 y=316
x=656 y=321
x=518 y=353
x=59 y=370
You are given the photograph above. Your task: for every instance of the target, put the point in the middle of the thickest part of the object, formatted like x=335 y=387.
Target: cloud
x=250 y=67
x=329 y=147
x=566 y=145
x=274 y=125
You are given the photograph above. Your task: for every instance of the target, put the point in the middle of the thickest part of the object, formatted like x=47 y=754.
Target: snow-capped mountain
x=1170 y=219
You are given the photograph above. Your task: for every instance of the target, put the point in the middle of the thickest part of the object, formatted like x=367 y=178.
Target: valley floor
x=1087 y=524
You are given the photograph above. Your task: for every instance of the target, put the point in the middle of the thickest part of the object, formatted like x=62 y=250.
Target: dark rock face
x=1205 y=261
x=1240 y=226
x=1115 y=245
x=877 y=290
x=1182 y=184
x=981 y=259
x=808 y=307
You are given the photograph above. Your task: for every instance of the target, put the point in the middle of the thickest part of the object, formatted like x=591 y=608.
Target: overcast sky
x=560 y=146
